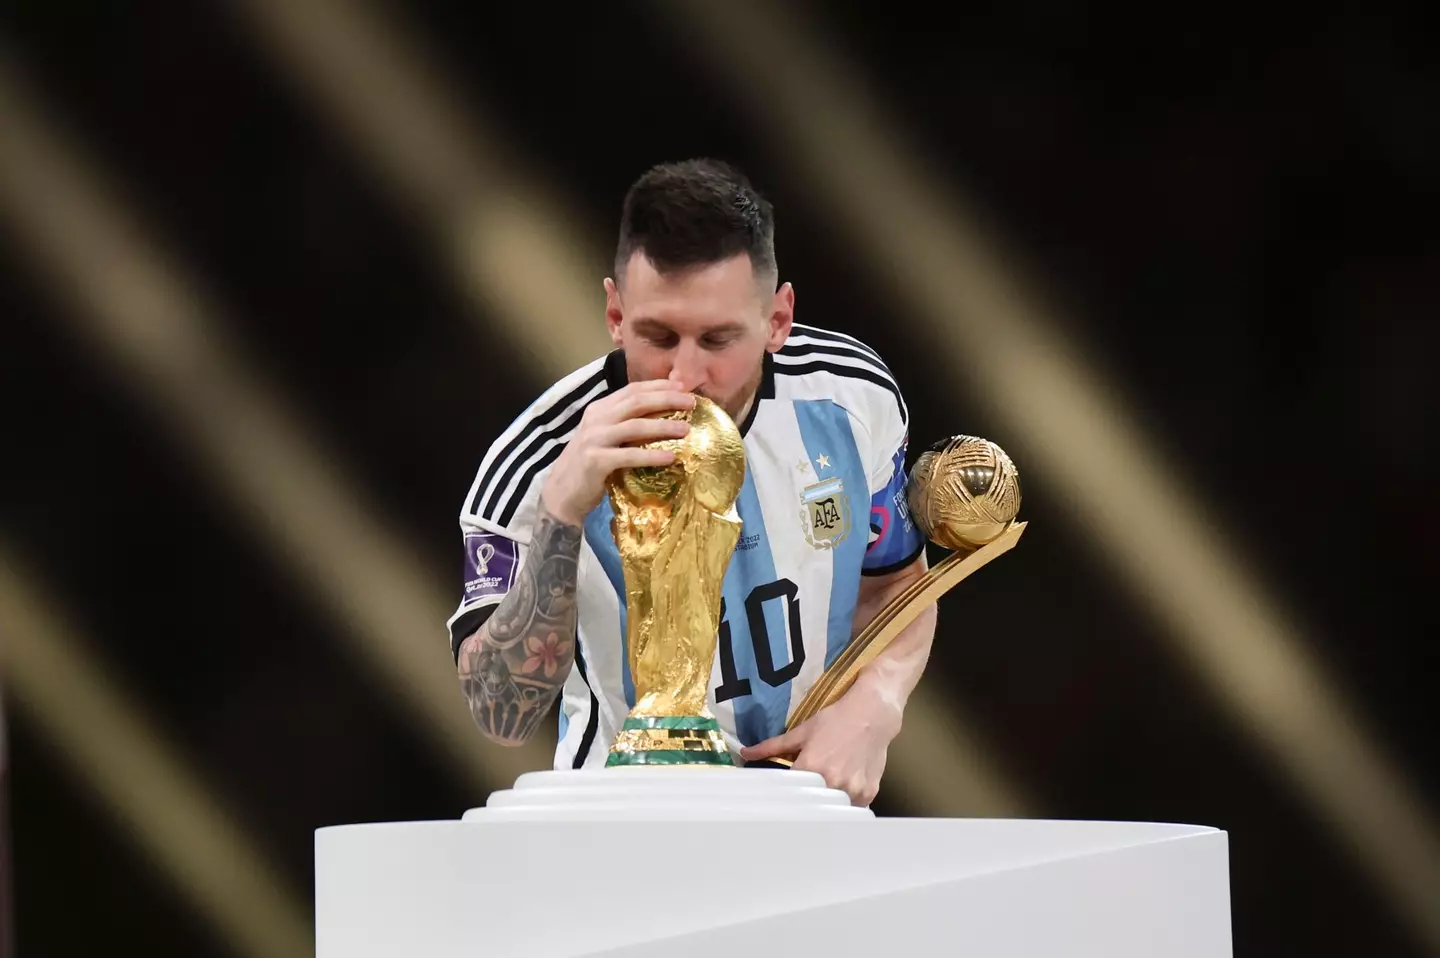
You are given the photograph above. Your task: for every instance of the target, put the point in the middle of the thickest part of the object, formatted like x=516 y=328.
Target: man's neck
x=753 y=396
x=745 y=409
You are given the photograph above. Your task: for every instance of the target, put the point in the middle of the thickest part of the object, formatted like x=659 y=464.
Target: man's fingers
x=786 y=744
x=860 y=791
x=641 y=430
x=648 y=386
x=631 y=457
x=642 y=386
x=641 y=399
x=607 y=407
x=649 y=403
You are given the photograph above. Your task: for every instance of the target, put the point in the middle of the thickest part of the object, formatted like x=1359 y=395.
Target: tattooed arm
x=512 y=667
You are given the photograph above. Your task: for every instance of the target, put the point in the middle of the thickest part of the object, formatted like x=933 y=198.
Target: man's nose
x=687 y=370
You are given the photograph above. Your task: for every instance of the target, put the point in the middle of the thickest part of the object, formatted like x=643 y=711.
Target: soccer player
x=695 y=308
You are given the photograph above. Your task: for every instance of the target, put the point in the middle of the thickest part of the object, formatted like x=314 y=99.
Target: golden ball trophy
x=963 y=495
x=676 y=528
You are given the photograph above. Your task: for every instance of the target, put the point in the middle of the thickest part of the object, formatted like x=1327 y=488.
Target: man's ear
x=613 y=312
x=782 y=317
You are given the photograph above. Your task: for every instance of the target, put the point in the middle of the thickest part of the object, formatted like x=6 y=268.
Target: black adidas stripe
x=849 y=352
x=544 y=461
x=812 y=332
x=483 y=489
x=495 y=500
x=592 y=726
x=851 y=372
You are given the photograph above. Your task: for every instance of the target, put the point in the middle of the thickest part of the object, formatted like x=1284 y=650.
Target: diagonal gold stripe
x=162 y=807
x=1062 y=417
x=516 y=248
x=167 y=341
x=940 y=766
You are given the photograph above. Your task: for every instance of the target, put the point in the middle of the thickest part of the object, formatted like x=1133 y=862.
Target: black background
x=1237 y=217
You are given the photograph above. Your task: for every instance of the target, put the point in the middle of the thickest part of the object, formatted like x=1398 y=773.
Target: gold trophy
x=676 y=527
x=964 y=495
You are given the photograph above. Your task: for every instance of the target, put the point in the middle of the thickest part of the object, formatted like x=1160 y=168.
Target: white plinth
x=675 y=794
x=715 y=862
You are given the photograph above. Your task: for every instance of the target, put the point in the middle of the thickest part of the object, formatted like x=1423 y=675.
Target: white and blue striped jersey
x=823 y=504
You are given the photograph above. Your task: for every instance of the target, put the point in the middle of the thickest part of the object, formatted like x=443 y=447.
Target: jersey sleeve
x=491 y=559
x=499 y=510
x=895 y=542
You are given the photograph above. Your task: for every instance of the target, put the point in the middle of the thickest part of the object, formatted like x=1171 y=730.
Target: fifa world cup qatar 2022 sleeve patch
x=490 y=562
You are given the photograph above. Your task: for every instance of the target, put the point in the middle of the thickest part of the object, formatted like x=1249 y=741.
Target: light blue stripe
x=602 y=541
x=762 y=713
x=825 y=429
x=564 y=719
x=823 y=488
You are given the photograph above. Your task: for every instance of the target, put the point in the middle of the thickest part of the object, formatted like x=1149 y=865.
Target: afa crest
x=825 y=509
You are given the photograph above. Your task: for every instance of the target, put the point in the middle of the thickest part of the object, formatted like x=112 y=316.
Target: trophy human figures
x=676 y=528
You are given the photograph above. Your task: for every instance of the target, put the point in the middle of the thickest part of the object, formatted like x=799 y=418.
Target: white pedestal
x=758 y=863
x=676 y=794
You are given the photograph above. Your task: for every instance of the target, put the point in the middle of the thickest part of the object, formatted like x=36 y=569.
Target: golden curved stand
x=892 y=620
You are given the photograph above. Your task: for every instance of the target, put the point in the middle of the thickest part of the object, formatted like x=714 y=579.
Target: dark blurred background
x=276 y=274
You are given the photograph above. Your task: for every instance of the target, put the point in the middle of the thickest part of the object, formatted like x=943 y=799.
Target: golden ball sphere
x=963 y=492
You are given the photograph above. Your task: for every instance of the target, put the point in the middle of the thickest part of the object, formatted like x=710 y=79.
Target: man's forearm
x=513 y=667
x=895 y=672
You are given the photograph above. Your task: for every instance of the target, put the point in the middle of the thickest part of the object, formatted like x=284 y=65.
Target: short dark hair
x=693 y=213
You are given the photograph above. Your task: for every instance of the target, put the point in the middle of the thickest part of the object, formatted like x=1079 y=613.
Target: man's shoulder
x=532 y=440
x=817 y=363
x=577 y=389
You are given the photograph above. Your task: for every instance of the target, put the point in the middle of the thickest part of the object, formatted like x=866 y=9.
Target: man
x=694 y=309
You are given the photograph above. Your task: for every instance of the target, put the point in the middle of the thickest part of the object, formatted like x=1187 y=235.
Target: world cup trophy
x=676 y=527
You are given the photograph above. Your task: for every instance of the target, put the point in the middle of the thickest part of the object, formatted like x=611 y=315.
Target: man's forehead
x=734 y=277
x=696 y=302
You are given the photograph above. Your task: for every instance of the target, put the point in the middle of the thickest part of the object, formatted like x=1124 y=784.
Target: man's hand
x=846 y=742
x=608 y=438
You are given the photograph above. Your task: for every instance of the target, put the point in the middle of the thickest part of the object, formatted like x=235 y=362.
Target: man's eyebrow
x=727 y=328
x=649 y=325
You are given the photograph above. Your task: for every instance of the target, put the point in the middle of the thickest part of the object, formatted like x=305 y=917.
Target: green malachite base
x=688 y=723
x=669 y=740
x=673 y=756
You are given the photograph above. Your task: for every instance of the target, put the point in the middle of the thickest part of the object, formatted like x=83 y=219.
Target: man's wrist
x=560 y=514
x=881 y=701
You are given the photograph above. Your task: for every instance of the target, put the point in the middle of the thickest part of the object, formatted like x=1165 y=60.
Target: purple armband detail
x=489 y=565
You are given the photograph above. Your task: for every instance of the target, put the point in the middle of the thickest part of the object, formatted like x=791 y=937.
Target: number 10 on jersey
x=774 y=674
